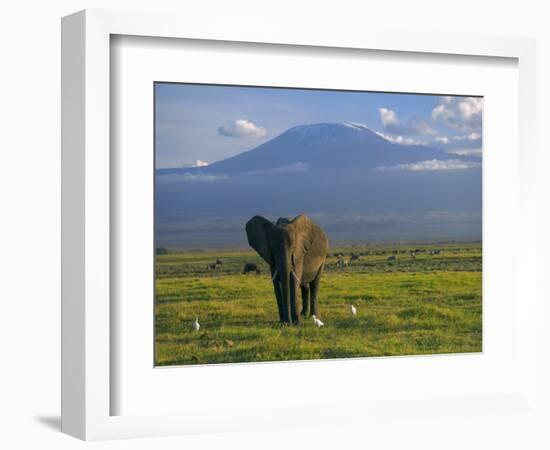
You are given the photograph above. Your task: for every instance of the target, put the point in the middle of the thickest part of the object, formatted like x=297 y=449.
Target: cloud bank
x=189 y=177
x=460 y=113
x=413 y=126
x=197 y=163
x=434 y=165
x=290 y=168
x=242 y=128
x=468 y=144
x=398 y=139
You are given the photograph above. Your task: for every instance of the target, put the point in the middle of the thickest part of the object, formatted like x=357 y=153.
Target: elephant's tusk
x=274 y=276
x=295 y=276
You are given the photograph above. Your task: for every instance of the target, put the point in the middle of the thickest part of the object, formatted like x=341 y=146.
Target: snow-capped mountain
x=320 y=147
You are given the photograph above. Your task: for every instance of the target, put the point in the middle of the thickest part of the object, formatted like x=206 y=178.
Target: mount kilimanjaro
x=357 y=184
x=322 y=147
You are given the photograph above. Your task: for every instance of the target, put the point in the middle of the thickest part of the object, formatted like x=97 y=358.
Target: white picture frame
x=86 y=239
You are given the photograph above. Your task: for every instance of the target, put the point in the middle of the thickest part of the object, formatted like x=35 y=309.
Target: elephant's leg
x=294 y=300
x=279 y=298
x=305 y=300
x=314 y=287
x=285 y=300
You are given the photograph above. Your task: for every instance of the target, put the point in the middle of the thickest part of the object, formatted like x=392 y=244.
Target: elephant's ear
x=256 y=231
x=310 y=238
x=303 y=226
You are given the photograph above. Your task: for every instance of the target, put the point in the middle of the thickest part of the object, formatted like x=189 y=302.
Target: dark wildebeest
x=354 y=257
x=212 y=266
x=392 y=258
x=219 y=262
x=251 y=267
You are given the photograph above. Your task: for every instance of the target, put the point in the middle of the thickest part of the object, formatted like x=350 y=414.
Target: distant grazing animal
x=342 y=262
x=353 y=310
x=251 y=267
x=354 y=257
x=392 y=258
x=196 y=325
x=212 y=266
x=219 y=262
x=413 y=255
x=317 y=322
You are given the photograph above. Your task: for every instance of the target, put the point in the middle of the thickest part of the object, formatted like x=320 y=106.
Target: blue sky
x=198 y=124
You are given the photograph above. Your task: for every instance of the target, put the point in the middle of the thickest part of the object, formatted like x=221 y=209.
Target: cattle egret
x=353 y=310
x=196 y=324
x=317 y=322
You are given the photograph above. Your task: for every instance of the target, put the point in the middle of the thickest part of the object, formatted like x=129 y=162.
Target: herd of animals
x=296 y=251
x=341 y=259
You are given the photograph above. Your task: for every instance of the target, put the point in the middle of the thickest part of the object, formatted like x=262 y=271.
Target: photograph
x=294 y=223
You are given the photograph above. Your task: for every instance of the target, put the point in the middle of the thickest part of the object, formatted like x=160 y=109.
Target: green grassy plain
x=423 y=306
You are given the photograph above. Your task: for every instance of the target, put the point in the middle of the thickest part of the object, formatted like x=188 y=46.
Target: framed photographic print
x=373 y=246
x=259 y=221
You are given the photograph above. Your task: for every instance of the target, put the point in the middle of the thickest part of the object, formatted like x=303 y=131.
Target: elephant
x=296 y=251
x=251 y=267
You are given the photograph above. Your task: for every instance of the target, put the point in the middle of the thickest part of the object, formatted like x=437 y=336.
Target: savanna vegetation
x=422 y=304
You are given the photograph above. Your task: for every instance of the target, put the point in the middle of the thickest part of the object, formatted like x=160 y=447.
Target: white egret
x=353 y=310
x=317 y=322
x=196 y=324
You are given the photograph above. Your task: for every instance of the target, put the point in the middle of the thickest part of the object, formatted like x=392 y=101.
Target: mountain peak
x=324 y=147
x=329 y=127
x=331 y=132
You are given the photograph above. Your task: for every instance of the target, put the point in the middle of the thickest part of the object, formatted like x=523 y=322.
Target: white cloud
x=468 y=144
x=242 y=128
x=392 y=124
x=398 y=139
x=434 y=165
x=388 y=117
x=472 y=137
x=470 y=107
x=460 y=113
x=197 y=163
x=290 y=168
x=189 y=177
x=467 y=151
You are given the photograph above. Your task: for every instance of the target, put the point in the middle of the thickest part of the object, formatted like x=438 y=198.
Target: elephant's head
x=295 y=251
